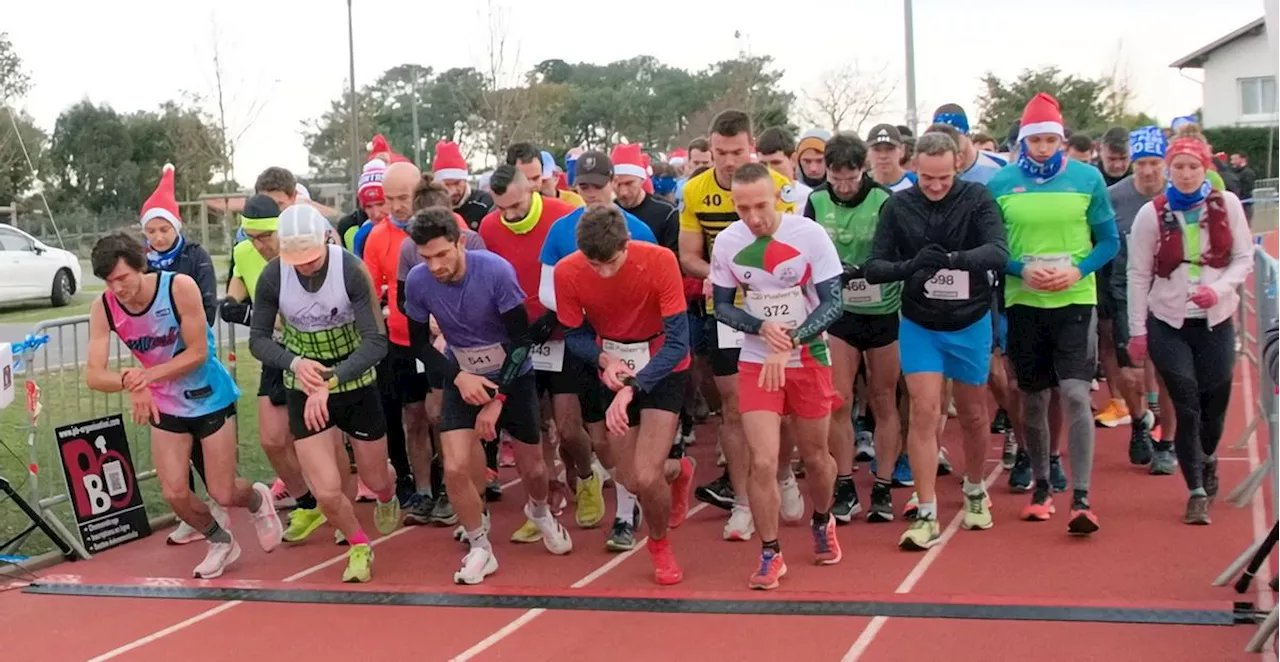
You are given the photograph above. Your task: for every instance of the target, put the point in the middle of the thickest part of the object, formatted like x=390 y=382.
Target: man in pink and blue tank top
x=179 y=388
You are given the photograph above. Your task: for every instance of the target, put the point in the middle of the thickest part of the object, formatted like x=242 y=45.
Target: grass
x=67 y=400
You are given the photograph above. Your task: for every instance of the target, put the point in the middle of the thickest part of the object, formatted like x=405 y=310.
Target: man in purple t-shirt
x=479 y=308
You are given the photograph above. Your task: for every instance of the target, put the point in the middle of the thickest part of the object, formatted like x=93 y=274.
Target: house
x=1239 y=78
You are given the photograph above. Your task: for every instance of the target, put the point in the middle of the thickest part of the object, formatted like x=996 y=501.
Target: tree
x=846 y=97
x=15 y=82
x=92 y=158
x=1084 y=101
x=17 y=174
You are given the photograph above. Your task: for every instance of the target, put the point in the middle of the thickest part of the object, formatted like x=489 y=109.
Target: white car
x=29 y=269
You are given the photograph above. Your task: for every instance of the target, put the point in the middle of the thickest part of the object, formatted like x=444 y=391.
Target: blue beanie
x=1147 y=141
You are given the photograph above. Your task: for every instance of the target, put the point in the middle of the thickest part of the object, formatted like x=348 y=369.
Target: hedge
x=1252 y=142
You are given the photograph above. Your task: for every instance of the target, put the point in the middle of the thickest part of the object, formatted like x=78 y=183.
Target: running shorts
x=410 y=382
x=576 y=378
x=866 y=332
x=271 y=386
x=667 y=395
x=963 y=355
x=521 y=417
x=1047 y=345
x=1001 y=322
x=357 y=413
x=724 y=361
x=806 y=393
x=199 y=427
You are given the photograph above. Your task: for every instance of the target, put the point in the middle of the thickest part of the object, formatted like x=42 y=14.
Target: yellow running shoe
x=1116 y=414
x=386 y=516
x=977 y=512
x=923 y=534
x=302 y=523
x=527 y=533
x=590 y=502
x=359 y=564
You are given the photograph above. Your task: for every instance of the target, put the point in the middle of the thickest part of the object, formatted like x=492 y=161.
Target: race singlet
x=548 y=356
x=635 y=355
x=948 y=285
x=859 y=292
x=785 y=307
x=480 y=360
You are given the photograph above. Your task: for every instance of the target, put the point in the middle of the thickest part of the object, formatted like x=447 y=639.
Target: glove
x=543 y=327
x=236 y=312
x=1204 y=297
x=851 y=272
x=932 y=257
x=1137 y=348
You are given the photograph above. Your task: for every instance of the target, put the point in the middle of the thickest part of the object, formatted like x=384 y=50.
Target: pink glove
x=1204 y=297
x=1137 y=348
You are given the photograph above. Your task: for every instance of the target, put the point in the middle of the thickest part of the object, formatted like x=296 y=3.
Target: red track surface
x=1142 y=556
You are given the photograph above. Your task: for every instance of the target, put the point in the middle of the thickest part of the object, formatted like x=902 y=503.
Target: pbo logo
x=100 y=480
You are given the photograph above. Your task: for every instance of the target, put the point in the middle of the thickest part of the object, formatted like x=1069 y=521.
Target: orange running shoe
x=1083 y=522
x=681 y=489
x=1040 y=508
x=665 y=569
x=826 y=548
x=772 y=568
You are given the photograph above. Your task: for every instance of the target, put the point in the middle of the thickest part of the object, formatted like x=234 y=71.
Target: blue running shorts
x=963 y=355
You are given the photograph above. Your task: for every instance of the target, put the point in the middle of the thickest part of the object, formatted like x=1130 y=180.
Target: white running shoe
x=185 y=533
x=865 y=447
x=220 y=555
x=792 y=501
x=460 y=532
x=476 y=565
x=740 y=526
x=554 y=536
x=266 y=521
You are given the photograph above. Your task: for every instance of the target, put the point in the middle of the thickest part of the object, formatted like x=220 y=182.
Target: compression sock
x=360 y=538
x=626 y=504
x=215 y=533
x=306 y=501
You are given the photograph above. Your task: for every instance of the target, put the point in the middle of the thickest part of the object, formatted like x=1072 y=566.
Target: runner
x=489 y=384
x=576 y=391
x=708 y=209
x=975 y=166
x=1191 y=249
x=848 y=207
x=1113 y=156
x=624 y=306
x=371 y=204
x=181 y=390
x=450 y=169
x=537 y=169
x=332 y=339
x=791 y=274
x=941 y=238
x=1061 y=229
x=777 y=149
x=813 y=171
x=886 y=158
x=628 y=185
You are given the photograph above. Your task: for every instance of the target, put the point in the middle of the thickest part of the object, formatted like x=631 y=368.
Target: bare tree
x=504 y=103
x=845 y=97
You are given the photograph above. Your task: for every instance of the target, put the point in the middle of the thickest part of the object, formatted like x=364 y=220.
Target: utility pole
x=413 y=99
x=354 y=166
x=911 y=65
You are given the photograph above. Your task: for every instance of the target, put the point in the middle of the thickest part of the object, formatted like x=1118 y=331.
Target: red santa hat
x=448 y=164
x=377 y=147
x=1042 y=115
x=162 y=203
x=647 y=183
x=678 y=157
x=629 y=160
x=370 y=188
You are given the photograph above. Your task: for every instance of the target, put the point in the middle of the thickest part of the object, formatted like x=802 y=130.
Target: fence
x=57 y=395
x=1258 y=306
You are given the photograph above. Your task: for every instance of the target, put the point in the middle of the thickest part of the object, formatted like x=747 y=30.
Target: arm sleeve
x=547 y=286
x=731 y=315
x=830 y=308
x=581 y=340
x=266 y=306
x=1102 y=222
x=206 y=278
x=1241 y=249
x=373 y=341
x=675 y=347
x=432 y=358
x=516 y=322
x=883 y=265
x=992 y=253
x=1142 y=253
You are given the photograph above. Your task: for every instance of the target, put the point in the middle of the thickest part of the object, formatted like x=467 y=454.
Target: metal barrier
x=1260 y=310
x=57 y=395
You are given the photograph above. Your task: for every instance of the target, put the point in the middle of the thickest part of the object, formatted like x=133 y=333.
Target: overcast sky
x=288 y=58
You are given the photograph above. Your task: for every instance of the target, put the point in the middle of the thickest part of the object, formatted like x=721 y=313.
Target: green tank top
x=249 y=265
x=852 y=230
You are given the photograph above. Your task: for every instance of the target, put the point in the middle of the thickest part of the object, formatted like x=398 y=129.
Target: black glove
x=542 y=328
x=932 y=257
x=851 y=272
x=236 y=312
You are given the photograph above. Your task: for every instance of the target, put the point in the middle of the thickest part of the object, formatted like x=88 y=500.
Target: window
x=1258 y=95
x=12 y=241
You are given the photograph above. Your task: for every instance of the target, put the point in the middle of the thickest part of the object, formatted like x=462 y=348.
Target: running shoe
x=1010 y=454
x=1040 y=508
x=281 y=494
x=302 y=523
x=1197 y=510
x=944 y=465
x=1083 y=522
x=528 y=533
x=665 y=569
x=1115 y=415
x=406 y=491
x=921 y=535
x=1163 y=460
x=266 y=521
x=881 y=504
x=718 y=493
x=589 y=504
x=386 y=516
x=772 y=568
x=912 y=509
x=826 y=547
x=740 y=526
x=864 y=447
x=680 y=492
x=977 y=511
x=492 y=486
x=554 y=536
x=792 y=501
x=442 y=513
x=1057 y=477
x=506 y=453
x=1209 y=476
x=1000 y=422
x=1140 y=449
x=902 y=472
x=219 y=556
x=1020 y=477
x=363 y=493
x=844 y=505
x=359 y=564
x=476 y=565
x=419 y=512
x=622 y=537
x=185 y=533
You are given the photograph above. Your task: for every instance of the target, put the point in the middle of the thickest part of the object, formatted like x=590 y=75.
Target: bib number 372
x=948 y=285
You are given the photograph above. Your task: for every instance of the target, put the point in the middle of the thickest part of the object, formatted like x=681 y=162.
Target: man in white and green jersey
x=1061 y=229
x=848 y=207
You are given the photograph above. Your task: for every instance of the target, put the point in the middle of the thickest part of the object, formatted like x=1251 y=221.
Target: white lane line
x=525 y=618
x=869 y=633
x=214 y=611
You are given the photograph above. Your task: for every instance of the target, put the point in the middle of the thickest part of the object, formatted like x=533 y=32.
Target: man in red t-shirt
x=624 y=306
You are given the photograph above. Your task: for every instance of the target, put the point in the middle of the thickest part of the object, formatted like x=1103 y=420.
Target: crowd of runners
x=831 y=301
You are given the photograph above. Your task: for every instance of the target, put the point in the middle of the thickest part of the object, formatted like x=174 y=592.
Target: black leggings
x=197 y=463
x=1196 y=363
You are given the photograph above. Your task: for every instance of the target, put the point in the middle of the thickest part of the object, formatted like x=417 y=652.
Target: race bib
x=728 y=337
x=548 y=356
x=948 y=284
x=1052 y=261
x=785 y=307
x=858 y=292
x=480 y=360
x=635 y=355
